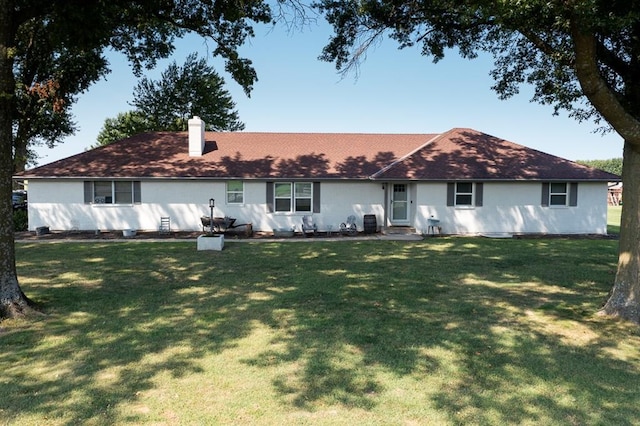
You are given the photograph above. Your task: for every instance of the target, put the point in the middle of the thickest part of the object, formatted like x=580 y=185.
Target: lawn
x=613 y=219
x=442 y=331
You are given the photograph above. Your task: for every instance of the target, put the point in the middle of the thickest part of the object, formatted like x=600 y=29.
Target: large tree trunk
x=624 y=300
x=13 y=302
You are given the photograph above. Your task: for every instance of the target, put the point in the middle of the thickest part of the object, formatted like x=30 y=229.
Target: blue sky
x=395 y=91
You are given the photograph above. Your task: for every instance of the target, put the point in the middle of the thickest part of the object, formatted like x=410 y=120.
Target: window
x=123 y=192
x=112 y=192
x=464 y=194
x=235 y=192
x=560 y=194
x=102 y=193
x=283 y=197
x=303 y=197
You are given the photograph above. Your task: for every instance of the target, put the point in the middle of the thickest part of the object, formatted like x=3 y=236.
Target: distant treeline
x=612 y=165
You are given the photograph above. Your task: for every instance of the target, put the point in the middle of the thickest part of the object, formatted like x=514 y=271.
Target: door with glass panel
x=399 y=204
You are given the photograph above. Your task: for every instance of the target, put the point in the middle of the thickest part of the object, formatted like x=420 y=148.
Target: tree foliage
x=124 y=125
x=167 y=104
x=579 y=56
x=64 y=61
x=47 y=82
x=182 y=92
x=533 y=42
x=611 y=165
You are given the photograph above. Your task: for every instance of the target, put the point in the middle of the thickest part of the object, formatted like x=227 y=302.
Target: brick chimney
x=196 y=137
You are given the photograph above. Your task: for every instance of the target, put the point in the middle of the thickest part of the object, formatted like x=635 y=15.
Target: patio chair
x=165 y=225
x=350 y=227
x=308 y=227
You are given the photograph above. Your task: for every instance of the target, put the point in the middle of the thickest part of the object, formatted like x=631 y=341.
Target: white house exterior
x=471 y=182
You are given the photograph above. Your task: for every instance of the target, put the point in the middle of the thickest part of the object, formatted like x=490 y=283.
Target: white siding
x=60 y=205
x=514 y=208
x=507 y=207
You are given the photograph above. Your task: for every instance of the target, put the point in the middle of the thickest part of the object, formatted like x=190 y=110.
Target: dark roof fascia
x=371 y=178
x=192 y=178
x=492 y=180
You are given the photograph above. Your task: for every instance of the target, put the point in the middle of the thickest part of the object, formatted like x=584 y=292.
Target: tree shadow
x=343 y=316
x=469 y=154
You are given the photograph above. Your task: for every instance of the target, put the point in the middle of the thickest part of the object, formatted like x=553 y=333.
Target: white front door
x=400 y=204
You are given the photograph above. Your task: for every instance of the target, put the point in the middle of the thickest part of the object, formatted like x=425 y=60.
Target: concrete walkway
x=360 y=237
x=389 y=237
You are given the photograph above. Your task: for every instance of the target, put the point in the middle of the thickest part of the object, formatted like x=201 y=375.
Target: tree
x=580 y=56
x=124 y=125
x=611 y=165
x=144 y=31
x=182 y=92
x=168 y=103
x=46 y=81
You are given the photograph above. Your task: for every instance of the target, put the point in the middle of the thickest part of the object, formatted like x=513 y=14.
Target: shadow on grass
x=498 y=331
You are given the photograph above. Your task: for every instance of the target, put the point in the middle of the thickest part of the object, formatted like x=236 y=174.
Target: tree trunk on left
x=13 y=302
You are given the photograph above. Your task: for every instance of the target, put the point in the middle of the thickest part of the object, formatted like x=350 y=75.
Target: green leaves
x=182 y=92
x=168 y=103
x=531 y=42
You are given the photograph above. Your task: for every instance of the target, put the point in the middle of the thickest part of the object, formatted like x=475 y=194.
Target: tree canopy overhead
x=569 y=51
x=59 y=53
x=581 y=56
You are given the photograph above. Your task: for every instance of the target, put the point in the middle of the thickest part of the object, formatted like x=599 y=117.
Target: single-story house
x=473 y=183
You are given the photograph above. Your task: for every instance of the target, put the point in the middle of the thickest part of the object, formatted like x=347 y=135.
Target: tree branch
x=595 y=88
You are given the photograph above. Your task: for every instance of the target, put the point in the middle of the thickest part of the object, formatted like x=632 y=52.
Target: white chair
x=308 y=227
x=165 y=225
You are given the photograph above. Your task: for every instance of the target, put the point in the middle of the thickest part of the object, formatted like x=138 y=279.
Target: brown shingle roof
x=457 y=154
x=466 y=154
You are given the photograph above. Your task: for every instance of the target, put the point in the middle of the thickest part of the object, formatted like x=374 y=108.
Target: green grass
x=444 y=331
x=613 y=219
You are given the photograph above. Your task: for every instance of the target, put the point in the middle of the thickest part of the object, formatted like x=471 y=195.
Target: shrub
x=20 y=220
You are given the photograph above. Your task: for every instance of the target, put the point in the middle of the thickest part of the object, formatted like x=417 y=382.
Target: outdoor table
x=219 y=224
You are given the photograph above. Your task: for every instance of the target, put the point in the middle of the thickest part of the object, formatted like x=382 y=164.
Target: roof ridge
x=409 y=154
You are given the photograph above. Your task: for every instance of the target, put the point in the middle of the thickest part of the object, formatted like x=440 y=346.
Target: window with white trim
x=558 y=194
x=112 y=192
x=235 y=192
x=303 y=196
x=293 y=196
x=464 y=194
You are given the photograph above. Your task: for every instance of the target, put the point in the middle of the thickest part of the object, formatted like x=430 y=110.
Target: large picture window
x=294 y=197
x=112 y=192
x=235 y=192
